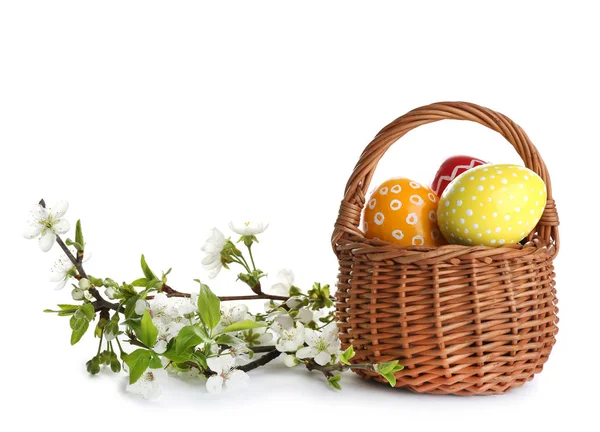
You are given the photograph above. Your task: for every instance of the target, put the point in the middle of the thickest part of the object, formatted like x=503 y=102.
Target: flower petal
x=311 y=336
x=214 y=384
x=47 y=241
x=215 y=364
x=32 y=231
x=38 y=212
x=60 y=285
x=307 y=352
x=59 y=209
x=62 y=226
x=209 y=259
x=212 y=273
x=236 y=379
x=323 y=358
x=286 y=276
x=140 y=307
x=160 y=346
x=57 y=276
x=280 y=289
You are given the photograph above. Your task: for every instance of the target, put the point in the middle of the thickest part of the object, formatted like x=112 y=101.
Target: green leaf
x=154 y=283
x=97 y=282
x=188 y=337
x=88 y=310
x=209 y=306
x=79 y=234
x=134 y=324
x=65 y=310
x=390 y=378
x=130 y=306
x=200 y=359
x=80 y=321
x=226 y=339
x=141 y=282
x=138 y=362
x=334 y=382
x=347 y=355
x=147 y=272
x=147 y=331
x=155 y=362
x=171 y=353
x=76 y=245
x=387 y=370
x=241 y=325
x=79 y=325
x=386 y=367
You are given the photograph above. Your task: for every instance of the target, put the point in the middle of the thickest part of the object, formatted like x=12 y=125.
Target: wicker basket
x=462 y=320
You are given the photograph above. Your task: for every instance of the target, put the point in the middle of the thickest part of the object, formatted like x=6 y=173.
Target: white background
x=160 y=120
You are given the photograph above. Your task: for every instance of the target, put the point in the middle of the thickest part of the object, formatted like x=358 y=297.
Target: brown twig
x=171 y=292
x=268 y=357
x=340 y=367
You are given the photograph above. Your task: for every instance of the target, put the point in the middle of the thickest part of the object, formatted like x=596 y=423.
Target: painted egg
x=492 y=205
x=403 y=211
x=452 y=168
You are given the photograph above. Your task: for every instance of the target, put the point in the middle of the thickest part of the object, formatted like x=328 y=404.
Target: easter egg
x=403 y=211
x=491 y=205
x=452 y=168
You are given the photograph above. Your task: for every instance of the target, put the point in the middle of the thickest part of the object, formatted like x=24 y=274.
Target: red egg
x=452 y=168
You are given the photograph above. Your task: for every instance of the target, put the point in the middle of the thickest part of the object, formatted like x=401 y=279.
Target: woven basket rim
x=353 y=203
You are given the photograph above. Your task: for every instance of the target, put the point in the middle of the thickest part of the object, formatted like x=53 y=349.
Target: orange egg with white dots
x=404 y=212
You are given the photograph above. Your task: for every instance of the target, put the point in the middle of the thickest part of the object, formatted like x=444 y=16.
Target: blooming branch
x=196 y=334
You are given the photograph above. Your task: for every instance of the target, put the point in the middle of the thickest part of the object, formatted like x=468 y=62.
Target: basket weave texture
x=463 y=320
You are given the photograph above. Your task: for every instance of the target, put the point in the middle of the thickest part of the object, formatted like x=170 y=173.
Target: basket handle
x=348 y=220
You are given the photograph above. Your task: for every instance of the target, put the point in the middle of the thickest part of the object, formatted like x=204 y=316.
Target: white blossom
x=285 y=279
x=166 y=332
x=213 y=247
x=248 y=228
x=61 y=272
x=149 y=383
x=231 y=314
x=321 y=344
x=291 y=338
x=226 y=374
x=162 y=308
x=188 y=306
x=305 y=315
x=264 y=336
x=63 y=269
x=46 y=223
x=294 y=302
x=166 y=317
x=281 y=322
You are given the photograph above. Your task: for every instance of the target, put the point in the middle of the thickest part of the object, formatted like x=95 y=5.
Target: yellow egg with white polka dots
x=403 y=211
x=491 y=205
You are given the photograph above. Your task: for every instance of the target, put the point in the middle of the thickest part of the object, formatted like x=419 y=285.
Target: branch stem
x=268 y=357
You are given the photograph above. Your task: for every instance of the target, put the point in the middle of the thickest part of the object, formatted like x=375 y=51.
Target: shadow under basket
x=463 y=320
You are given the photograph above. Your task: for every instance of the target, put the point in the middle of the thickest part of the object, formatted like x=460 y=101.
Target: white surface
x=158 y=121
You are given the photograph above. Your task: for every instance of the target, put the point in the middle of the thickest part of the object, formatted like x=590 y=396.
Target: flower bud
x=77 y=294
x=140 y=306
x=93 y=366
x=290 y=360
x=84 y=284
x=110 y=292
